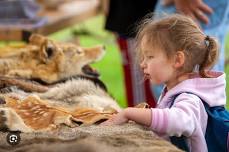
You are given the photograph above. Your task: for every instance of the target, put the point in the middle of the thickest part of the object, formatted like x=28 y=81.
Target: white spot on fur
x=36 y=112
x=41 y=112
x=23 y=110
x=35 y=118
x=36 y=107
x=26 y=113
x=45 y=114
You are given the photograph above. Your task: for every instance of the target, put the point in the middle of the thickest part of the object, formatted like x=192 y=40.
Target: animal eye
x=49 y=51
x=150 y=57
x=79 y=51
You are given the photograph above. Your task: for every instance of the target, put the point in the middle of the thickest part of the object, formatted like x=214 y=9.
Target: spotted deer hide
x=34 y=114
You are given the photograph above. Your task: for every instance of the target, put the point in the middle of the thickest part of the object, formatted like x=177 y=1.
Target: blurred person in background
x=211 y=15
x=122 y=18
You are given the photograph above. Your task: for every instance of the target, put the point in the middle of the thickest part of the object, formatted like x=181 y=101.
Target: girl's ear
x=179 y=59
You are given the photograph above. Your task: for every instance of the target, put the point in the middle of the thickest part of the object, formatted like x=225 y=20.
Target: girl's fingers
x=167 y=2
x=106 y=123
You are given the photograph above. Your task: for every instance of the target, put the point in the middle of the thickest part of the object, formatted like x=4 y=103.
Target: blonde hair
x=180 y=33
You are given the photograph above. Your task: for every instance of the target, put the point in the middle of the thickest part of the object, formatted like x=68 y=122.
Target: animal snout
x=2 y=100
x=104 y=47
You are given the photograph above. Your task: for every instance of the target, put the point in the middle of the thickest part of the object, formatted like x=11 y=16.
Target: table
x=67 y=14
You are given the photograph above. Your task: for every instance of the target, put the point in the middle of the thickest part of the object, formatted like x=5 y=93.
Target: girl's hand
x=116 y=119
x=139 y=115
x=167 y=2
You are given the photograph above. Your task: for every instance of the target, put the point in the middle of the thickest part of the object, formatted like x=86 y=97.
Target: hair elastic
x=207 y=40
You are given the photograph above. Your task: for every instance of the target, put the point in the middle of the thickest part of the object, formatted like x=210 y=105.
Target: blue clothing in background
x=20 y=14
x=217 y=27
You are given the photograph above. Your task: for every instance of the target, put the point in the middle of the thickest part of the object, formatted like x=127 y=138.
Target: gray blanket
x=124 y=138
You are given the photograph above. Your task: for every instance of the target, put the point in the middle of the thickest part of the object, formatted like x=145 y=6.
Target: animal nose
x=104 y=47
x=2 y=100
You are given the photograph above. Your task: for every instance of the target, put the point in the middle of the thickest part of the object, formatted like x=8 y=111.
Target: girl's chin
x=153 y=82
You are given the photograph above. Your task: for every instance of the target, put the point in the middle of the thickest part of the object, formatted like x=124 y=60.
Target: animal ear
x=37 y=39
x=47 y=50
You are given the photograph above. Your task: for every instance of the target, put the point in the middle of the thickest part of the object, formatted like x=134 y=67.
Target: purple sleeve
x=180 y=119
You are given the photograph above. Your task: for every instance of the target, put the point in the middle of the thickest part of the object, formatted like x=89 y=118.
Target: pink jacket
x=187 y=116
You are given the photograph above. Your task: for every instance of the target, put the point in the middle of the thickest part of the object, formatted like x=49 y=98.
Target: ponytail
x=211 y=56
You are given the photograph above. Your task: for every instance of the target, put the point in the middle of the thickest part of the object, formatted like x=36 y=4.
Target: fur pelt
x=73 y=103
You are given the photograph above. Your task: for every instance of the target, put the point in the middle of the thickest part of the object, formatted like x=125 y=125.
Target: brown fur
x=47 y=60
x=73 y=103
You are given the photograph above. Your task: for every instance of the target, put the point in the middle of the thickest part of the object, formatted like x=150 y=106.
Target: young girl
x=174 y=51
